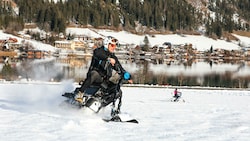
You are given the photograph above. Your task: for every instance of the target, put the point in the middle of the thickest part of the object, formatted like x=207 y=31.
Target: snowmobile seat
x=95 y=87
x=92 y=90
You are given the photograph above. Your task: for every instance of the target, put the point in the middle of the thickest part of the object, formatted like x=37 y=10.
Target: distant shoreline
x=184 y=87
x=129 y=85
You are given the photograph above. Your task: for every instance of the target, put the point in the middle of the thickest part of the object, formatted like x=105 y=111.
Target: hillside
x=205 y=17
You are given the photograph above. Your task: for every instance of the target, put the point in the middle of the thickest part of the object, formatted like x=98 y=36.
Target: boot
x=79 y=97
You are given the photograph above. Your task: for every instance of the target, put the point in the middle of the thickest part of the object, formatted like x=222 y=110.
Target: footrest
x=68 y=95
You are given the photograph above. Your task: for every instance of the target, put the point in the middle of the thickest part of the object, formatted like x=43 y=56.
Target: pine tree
x=146 y=44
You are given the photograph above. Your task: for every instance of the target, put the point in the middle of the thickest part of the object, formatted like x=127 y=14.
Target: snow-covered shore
x=199 y=42
x=75 y=84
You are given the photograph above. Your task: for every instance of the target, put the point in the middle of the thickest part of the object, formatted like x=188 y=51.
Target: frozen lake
x=32 y=111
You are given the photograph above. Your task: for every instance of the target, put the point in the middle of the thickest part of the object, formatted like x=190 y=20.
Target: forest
x=160 y=16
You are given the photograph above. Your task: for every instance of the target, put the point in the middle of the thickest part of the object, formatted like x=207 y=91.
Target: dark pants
x=92 y=77
x=176 y=97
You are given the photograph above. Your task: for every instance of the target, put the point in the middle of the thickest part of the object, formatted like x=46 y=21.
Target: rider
x=177 y=94
x=103 y=62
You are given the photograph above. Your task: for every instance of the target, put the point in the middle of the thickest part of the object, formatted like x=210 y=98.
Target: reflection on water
x=162 y=71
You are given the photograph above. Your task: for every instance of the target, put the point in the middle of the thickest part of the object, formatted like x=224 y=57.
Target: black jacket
x=101 y=64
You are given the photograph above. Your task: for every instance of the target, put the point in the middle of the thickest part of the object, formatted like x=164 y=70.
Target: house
x=63 y=44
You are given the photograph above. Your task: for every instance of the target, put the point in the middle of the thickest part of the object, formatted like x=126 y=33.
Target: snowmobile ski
x=129 y=121
x=120 y=118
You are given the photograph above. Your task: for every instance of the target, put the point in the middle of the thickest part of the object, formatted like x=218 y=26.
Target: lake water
x=61 y=68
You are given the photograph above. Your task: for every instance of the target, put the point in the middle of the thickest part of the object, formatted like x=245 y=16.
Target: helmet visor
x=114 y=41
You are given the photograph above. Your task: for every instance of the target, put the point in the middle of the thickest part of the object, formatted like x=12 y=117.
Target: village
x=82 y=46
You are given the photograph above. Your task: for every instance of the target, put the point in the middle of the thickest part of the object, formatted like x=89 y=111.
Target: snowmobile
x=98 y=96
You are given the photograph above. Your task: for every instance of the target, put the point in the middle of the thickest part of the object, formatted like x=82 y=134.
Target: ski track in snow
x=37 y=112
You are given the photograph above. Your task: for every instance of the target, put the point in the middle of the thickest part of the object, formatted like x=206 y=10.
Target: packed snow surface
x=36 y=111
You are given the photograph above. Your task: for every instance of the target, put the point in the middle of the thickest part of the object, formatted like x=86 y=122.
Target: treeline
x=161 y=15
x=227 y=80
x=225 y=13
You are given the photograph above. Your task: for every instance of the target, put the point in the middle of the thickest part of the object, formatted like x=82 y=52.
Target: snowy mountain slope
x=36 y=44
x=200 y=42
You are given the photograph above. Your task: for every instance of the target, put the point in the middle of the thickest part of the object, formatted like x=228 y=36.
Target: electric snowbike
x=98 y=96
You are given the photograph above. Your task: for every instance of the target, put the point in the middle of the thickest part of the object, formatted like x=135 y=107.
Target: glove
x=126 y=76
